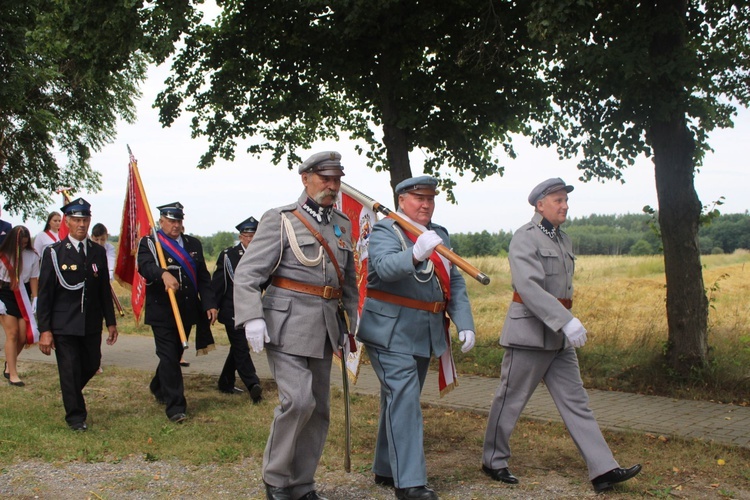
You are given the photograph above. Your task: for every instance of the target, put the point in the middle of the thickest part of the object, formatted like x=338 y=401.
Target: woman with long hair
x=19 y=284
x=49 y=234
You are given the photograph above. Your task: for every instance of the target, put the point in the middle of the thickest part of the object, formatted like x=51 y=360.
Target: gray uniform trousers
x=300 y=421
x=522 y=370
x=399 y=449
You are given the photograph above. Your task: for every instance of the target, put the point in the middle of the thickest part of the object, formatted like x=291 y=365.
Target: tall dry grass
x=622 y=302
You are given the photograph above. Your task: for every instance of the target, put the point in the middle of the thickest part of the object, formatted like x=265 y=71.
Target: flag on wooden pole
x=135 y=225
x=362 y=219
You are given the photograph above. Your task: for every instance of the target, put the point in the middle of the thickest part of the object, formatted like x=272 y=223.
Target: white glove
x=3 y=309
x=425 y=244
x=468 y=338
x=575 y=332
x=33 y=305
x=256 y=334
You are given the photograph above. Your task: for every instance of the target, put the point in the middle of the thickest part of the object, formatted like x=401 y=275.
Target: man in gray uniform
x=410 y=288
x=303 y=253
x=540 y=335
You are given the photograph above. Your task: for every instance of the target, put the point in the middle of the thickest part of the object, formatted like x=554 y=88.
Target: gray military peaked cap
x=549 y=186
x=324 y=163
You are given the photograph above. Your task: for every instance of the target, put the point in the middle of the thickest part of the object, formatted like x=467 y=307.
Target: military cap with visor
x=249 y=225
x=324 y=163
x=424 y=185
x=172 y=211
x=77 y=208
x=547 y=187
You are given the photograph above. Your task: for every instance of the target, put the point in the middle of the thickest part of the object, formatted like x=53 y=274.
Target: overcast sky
x=219 y=198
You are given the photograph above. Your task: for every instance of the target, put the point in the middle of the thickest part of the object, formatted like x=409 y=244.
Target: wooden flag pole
x=160 y=253
x=411 y=228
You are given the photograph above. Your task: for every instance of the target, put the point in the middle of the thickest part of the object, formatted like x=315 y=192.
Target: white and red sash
x=54 y=237
x=24 y=304
x=447 y=376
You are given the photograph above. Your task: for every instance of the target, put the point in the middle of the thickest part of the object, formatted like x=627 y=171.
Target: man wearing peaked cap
x=540 y=335
x=172 y=211
x=222 y=283
x=186 y=274
x=297 y=319
x=74 y=298
x=411 y=293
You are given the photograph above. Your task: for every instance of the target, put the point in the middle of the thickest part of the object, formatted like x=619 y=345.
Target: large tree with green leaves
x=68 y=71
x=452 y=78
x=651 y=77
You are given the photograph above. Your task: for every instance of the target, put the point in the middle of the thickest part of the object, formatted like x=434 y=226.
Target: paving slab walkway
x=727 y=424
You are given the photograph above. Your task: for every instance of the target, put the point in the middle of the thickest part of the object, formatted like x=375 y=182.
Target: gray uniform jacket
x=297 y=323
x=543 y=272
x=390 y=269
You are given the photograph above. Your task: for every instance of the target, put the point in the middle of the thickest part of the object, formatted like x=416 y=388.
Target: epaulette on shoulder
x=287 y=208
x=340 y=213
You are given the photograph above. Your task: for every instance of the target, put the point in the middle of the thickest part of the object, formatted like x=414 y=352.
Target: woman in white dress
x=19 y=284
x=49 y=234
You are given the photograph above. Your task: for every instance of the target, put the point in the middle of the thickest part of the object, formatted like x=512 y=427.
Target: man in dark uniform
x=188 y=277
x=74 y=298
x=222 y=284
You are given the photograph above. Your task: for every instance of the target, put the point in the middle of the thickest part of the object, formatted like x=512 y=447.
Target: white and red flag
x=362 y=219
x=135 y=225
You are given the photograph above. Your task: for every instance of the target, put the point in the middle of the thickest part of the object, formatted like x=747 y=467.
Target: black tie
x=80 y=249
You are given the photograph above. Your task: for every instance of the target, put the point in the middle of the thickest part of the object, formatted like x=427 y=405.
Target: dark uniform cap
x=424 y=184
x=325 y=163
x=77 y=208
x=249 y=225
x=172 y=211
x=547 y=187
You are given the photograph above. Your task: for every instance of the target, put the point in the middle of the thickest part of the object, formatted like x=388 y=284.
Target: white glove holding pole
x=256 y=334
x=468 y=338
x=425 y=244
x=33 y=305
x=575 y=332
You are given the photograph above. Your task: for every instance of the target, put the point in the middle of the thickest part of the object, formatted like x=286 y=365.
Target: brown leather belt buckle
x=328 y=292
x=438 y=307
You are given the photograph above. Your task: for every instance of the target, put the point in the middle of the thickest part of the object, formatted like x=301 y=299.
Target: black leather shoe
x=256 y=393
x=232 y=390
x=178 y=418
x=5 y=373
x=384 y=480
x=618 y=475
x=184 y=363
x=274 y=493
x=503 y=475
x=16 y=384
x=312 y=495
x=79 y=427
x=416 y=493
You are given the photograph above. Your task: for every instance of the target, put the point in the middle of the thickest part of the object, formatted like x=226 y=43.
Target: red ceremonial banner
x=362 y=219
x=135 y=225
x=62 y=233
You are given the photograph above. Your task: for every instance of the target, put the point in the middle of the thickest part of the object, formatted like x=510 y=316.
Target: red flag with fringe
x=362 y=219
x=135 y=225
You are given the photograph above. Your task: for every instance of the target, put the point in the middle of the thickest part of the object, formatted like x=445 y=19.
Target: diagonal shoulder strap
x=323 y=242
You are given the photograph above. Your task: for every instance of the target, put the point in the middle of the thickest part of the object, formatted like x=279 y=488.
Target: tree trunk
x=679 y=217
x=397 y=147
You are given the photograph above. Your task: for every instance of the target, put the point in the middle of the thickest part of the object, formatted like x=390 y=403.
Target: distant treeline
x=630 y=234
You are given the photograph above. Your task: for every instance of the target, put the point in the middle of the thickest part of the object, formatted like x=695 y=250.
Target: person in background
x=49 y=234
x=5 y=228
x=188 y=277
x=74 y=300
x=100 y=235
x=19 y=286
x=411 y=293
x=305 y=250
x=540 y=336
x=222 y=283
